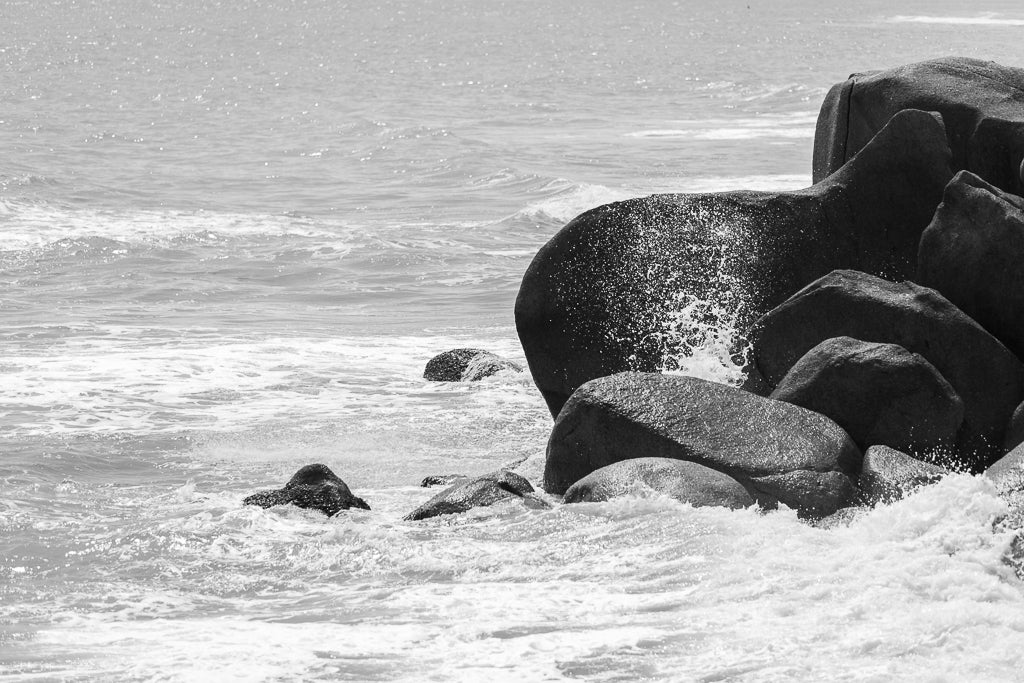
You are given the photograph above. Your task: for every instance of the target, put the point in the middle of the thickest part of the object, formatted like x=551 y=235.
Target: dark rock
x=778 y=452
x=878 y=393
x=314 y=487
x=606 y=293
x=466 y=365
x=972 y=253
x=888 y=474
x=441 y=479
x=987 y=377
x=685 y=481
x=479 y=492
x=982 y=104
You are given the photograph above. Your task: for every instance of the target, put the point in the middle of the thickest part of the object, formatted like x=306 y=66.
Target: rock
x=878 y=393
x=972 y=254
x=466 y=365
x=441 y=479
x=314 y=487
x=982 y=104
x=777 y=451
x=685 y=481
x=479 y=492
x=888 y=474
x=1015 y=430
x=987 y=377
x=628 y=285
x=1008 y=472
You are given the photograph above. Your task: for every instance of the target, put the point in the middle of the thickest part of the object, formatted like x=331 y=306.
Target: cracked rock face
x=624 y=286
x=981 y=103
x=778 y=452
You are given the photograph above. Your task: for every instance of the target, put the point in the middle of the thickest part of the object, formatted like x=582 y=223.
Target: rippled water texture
x=231 y=236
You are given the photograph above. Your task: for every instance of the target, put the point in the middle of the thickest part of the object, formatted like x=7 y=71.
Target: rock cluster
x=881 y=312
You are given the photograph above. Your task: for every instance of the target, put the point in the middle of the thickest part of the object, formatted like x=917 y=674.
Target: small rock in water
x=466 y=365
x=685 y=481
x=479 y=492
x=314 y=487
x=441 y=479
x=888 y=474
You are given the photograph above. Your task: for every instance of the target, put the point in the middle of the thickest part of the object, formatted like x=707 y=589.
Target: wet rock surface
x=466 y=365
x=880 y=394
x=479 y=492
x=602 y=296
x=889 y=474
x=314 y=487
x=982 y=104
x=777 y=451
x=685 y=481
x=972 y=253
x=988 y=378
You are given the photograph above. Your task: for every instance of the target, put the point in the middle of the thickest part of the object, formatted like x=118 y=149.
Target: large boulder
x=972 y=253
x=889 y=475
x=314 y=487
x=988 y=378
x=685 y=481
x=627 y=285
x=466 y=365
x=982 y=104
x=878 y=393
x=479 y=492
x=778 y=452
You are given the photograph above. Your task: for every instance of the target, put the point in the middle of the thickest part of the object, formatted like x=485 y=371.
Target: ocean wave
x=31 y=225
x=977 y=20
x=798 y=125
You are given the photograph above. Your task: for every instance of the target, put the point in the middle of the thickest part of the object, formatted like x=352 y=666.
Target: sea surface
x=233 y=233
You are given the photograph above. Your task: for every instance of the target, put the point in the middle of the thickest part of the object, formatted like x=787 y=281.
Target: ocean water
x=231 y=236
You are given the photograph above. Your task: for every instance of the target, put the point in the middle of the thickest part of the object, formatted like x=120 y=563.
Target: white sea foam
x=986 y=19
x=27 y=225
x=631 y=589
x=129 y=383
x=789 y=126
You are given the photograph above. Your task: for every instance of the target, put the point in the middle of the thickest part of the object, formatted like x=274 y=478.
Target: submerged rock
x=972 y=253
x=685 y=481
x=881 y=394
x=441 y=479
x=625 y=285
x=466 y=365
x=777 y=451
x=888 y=474
x=988 y=378
x=479 y=492
x=314 y=487
x=982 y=104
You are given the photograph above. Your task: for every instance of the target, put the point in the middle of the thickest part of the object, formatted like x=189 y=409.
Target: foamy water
x=231 y=236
